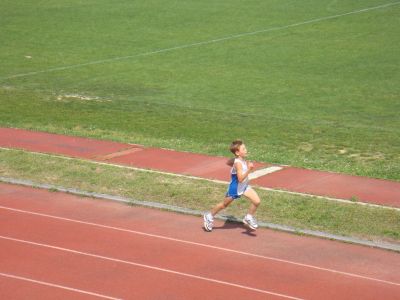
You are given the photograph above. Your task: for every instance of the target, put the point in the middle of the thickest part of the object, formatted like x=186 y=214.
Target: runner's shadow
x=232 y=223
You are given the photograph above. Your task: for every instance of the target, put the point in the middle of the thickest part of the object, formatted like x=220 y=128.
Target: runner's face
x=242 y=152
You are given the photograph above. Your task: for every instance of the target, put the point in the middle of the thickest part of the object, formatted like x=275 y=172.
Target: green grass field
x=300 y=86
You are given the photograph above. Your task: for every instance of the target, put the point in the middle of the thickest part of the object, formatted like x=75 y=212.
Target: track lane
x=17 y=287
x=228 y=267
x=124 y=279
x=365 y=261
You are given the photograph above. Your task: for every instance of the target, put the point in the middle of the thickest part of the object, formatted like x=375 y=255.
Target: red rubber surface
x=57 y=144
x=376 y=191
x=382 y=192
x=119 y=262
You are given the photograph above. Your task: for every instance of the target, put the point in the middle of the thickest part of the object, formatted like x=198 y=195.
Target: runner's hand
x=250 y=165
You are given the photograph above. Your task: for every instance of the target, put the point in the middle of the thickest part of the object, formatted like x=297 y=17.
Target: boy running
x=237 y=187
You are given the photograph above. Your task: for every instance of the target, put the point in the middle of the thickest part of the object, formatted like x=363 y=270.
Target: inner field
x=319 y=95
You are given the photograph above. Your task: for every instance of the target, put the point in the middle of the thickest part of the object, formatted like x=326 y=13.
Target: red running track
x=60 y=245
x=370 y=190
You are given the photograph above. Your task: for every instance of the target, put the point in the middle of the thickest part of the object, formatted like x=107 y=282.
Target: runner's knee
x=224 y=204
x=256 y=200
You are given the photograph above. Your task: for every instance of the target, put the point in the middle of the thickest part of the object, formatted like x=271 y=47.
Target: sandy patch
x=367 y=156
x=72 y=97
x=307 y=147
x=7 y=88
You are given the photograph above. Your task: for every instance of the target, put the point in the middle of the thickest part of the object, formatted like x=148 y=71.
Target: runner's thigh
x=252 y=195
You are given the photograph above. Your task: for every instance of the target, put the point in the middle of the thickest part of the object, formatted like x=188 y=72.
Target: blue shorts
x=235 y=196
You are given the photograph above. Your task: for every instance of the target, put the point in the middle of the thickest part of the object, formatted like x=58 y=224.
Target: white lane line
x=263 y=172
x=57 y=286
x=203 y=245
x=217 y=40
x=148 y=267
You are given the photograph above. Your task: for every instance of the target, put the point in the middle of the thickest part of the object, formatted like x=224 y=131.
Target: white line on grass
x=263 y=172
x=217 y=40
x=57 y=286
x=149 y=267
x=201 y=245
x=203 y=179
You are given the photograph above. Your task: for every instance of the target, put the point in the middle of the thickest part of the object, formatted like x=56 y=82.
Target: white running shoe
x=208 y=221
x=250 y=221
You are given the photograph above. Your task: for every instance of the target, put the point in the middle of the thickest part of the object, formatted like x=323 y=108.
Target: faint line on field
x=217 y=40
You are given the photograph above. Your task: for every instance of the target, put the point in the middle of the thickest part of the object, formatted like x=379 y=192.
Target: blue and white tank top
x=235 y=186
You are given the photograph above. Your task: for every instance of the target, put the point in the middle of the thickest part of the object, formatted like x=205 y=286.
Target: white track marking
x=202 y=245
x=263 y=172
x=217 y=40
x=57 y=286
x=147 y=267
